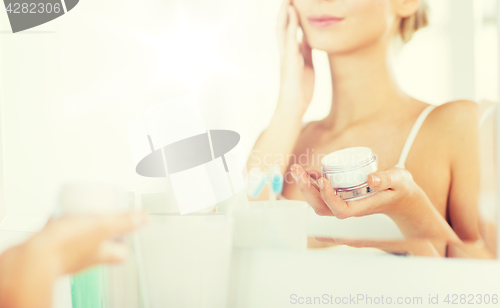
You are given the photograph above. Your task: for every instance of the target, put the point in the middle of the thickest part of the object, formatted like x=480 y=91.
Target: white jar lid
x=347 y=159
x=349 y=167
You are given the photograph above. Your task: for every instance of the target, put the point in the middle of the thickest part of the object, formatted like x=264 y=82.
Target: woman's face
x=340 y=26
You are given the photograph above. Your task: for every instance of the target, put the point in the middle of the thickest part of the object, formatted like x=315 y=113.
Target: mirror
x=237 y=80
x=441 y=205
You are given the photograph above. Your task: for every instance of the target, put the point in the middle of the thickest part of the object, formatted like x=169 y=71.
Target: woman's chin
x=336 y=47
x=330 y=46
x=331 y=50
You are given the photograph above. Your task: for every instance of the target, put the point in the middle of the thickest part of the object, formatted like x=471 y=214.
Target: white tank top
x=411 y=137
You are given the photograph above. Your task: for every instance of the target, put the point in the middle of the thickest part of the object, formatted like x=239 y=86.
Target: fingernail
x=321 y=183
x=375 y=180
x=294 y=171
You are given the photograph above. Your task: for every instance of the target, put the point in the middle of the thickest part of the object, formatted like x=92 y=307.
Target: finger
x=283 y=14
x=313 y=173
x=372 y=204
x=326 y=240
x=393 y=247
x=394 y=178
x=310 y=193
x=112 y=252
x=121 y=223
x=358 y=243
x=339 y=207
x=315 y=184
x=306 y=51
x=291 y=31
x=342 y=209
x=281 y=24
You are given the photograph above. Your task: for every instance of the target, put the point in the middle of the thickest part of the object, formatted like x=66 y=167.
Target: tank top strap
x=413 y=133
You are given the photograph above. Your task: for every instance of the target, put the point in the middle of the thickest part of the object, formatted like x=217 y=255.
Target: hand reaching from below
x=66 y=245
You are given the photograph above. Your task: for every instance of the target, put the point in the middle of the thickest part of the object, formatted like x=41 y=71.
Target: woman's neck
x=363 y=85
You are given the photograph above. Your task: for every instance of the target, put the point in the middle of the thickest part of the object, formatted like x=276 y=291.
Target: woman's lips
x=323 y=21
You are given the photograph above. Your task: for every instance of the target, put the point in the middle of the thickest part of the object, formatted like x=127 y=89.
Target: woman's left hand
x=398 y=196
x=394 y=187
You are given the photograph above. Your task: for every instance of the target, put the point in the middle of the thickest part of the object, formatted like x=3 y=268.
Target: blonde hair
x=409 y=25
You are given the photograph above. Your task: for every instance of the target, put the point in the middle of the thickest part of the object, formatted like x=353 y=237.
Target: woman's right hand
x=297 y=72
x=74 y=243
x=65 y=245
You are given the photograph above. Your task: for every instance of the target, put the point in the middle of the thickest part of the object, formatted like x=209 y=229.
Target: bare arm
x=68 y=245
x=414 y=247
x=465 y=180
x=399 y=197
x=26 y=279
x=464 y=187
x=277 y=142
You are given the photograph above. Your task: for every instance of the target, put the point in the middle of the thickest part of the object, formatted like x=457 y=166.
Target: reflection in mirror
x=404 y=162
x=376 y=234
x=410 y=247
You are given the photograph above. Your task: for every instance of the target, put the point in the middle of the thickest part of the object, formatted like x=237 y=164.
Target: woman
x=432 y=193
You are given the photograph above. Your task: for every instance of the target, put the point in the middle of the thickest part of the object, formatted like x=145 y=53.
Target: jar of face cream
x=348 y=170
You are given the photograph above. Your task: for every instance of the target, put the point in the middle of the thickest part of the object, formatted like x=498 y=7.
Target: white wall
x=71 y=86
x=2 y=204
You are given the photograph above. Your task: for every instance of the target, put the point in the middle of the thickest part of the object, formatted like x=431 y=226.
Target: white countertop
x=267 y=278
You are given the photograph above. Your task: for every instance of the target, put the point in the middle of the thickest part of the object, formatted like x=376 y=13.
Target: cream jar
x=347 y=170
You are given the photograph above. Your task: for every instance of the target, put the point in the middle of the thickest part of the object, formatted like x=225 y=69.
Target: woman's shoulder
x=455 y=115
x=455 y=125
x=457 y=108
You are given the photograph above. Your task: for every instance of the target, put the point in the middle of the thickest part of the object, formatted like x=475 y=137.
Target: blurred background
x=68 y=88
